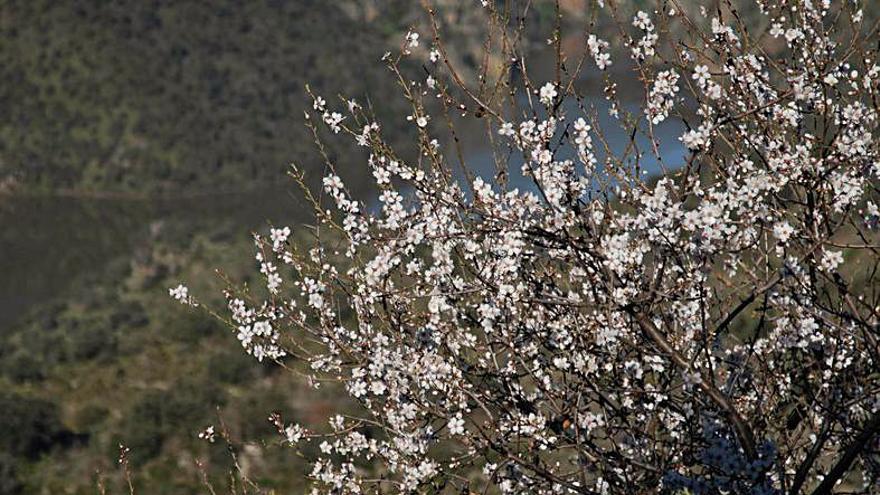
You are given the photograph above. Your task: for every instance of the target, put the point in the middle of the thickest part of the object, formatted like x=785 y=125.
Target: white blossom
x=548 y=93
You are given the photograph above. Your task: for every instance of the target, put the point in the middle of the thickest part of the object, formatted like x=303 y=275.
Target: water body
x=48 y=243
x=671 y=151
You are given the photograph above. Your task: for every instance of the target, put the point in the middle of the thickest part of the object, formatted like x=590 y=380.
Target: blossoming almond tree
x=714 y=331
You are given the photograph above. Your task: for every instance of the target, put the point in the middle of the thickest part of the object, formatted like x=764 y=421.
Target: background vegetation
x=173 y=96
x=128 y=100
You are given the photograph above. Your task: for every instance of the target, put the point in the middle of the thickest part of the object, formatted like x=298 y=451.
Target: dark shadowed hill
x=151 y=96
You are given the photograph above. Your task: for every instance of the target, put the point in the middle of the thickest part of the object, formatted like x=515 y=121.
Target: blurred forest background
x=141 y=142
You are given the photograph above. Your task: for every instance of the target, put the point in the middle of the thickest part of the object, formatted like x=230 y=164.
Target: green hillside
x=114 y=360
x=165 y=96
